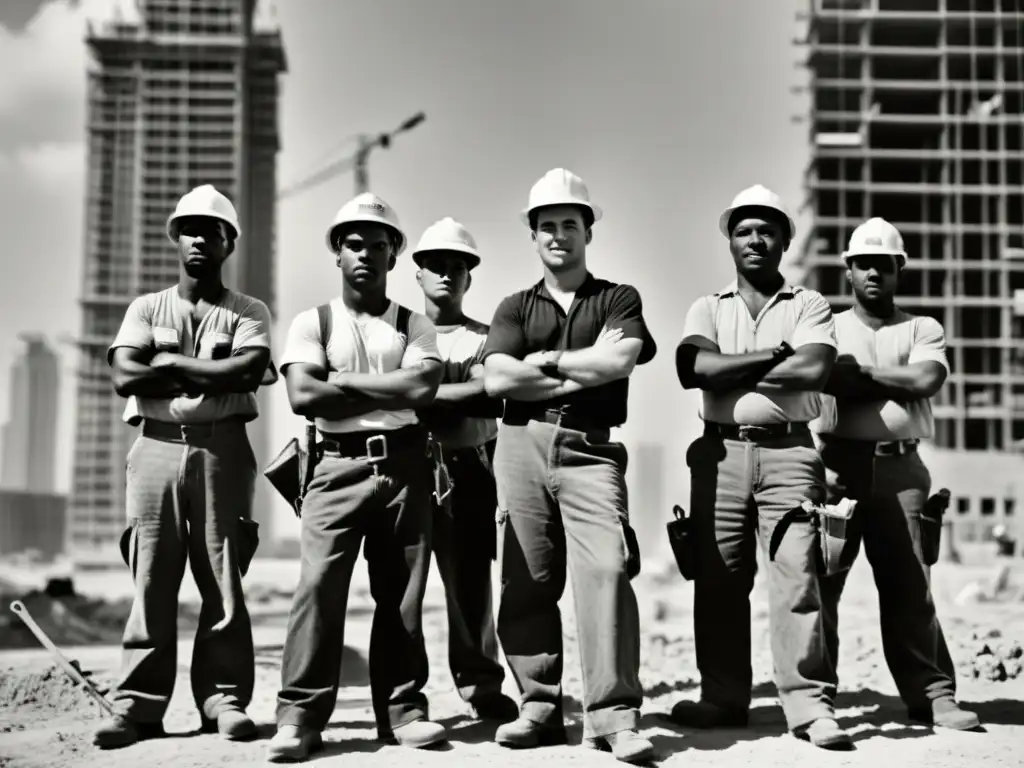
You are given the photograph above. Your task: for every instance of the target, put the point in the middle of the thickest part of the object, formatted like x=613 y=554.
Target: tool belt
x=896 y=447
x=831 y=526
x=753 y=433
x=681 y=539
x=369 y=445
x=931 y=526
x=560 y=417
x=171 y=432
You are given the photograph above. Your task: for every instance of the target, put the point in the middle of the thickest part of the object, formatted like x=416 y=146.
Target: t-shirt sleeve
x=929 y=342
x=700 y=321
x=253 y=328
x=136 y=328
x=506 y=335
x=815 y=323
x=303 y=344
x=626 y=312
x=421 y=344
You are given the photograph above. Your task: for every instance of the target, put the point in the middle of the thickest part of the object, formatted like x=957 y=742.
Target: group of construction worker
x=412 y=464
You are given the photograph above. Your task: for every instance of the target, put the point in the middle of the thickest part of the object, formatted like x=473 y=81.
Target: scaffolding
x=917 y=115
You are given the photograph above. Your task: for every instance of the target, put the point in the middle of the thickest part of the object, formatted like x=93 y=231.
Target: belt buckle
x=744 y=432
x=373 y=458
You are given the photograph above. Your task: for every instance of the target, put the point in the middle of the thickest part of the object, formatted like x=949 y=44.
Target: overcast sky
x=666 y=108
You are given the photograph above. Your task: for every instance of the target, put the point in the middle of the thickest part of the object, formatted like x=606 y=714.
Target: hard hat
x=559 y=187
x=369 y=208
x=204 y=200
x=756 y=196
x=876 y=236
x=447 y=235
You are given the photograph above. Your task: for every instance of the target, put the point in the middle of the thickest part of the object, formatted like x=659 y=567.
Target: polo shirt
x=162 y=321
x=461 y=347
x=361 y=344
x=905 y=339
x=796 y=315
x=532 y=321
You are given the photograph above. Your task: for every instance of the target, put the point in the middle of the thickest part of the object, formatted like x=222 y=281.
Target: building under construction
x=181 y=93
x=917 y=116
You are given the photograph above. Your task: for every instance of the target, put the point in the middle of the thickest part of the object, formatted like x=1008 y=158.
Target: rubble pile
x=994 y=659
x=50 y=689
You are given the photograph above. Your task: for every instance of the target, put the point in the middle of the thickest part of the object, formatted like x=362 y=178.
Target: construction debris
x=994 y=659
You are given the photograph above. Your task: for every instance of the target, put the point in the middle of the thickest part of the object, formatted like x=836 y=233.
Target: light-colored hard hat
x=760 y=197
x=204 y=200
x=876 y=237
x=369 y=208
x=447 y=235
x=559 y=187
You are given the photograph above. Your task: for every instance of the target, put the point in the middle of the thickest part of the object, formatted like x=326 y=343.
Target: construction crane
x=358 y=161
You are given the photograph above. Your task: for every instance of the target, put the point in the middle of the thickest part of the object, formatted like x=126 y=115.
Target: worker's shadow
x=880 y=710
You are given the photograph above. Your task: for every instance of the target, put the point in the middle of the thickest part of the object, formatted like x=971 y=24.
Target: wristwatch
x=550 y=368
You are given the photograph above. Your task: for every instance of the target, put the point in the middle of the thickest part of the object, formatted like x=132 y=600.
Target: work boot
x=121 y=731
x=946 y=713
x=825 y=733
x=495 y=706
x=627 y=746
x=526 y=734
x=418 y=734
x=293 y=744
x=704 y=714
x=232 y=724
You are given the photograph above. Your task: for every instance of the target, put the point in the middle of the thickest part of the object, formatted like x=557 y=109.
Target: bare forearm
x=592 y=366
x=323 y=400
x=404 y=388
x=233 y=374
x=852 y=384
x=506 y=377
x=468 y=398
x=904 y=383
x=717 y=372
x=138 y=379
x=797 y=373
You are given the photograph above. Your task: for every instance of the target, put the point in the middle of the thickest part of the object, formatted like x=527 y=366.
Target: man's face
x=561 y=237
x=366 y=255
x=444 y=277
x=203 y=244
x=757 y=242
x=874 y=277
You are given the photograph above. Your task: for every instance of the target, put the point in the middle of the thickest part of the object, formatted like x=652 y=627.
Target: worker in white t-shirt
x=463 y=419
x=361 y=366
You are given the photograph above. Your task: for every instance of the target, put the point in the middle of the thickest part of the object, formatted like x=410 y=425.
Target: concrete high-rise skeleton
x=181 y=93
x=30 y=434
x=917 y=116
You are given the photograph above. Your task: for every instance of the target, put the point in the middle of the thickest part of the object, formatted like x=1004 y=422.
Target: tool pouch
x=632 y=549
x=831 y=524
x=931 y=526
x=680 y=538
x=292 y=469
x=443 y=484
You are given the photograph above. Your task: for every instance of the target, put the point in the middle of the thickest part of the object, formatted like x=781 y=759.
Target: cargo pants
x=346 y=503
x=891 y=492
x=464 y=542
x=562 y=503
x=740 y=491
x=189 y=496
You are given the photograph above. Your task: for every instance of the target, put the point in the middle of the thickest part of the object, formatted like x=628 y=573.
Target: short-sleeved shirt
x=796 y=315
x=162 y=322
x=533 y=321
x=905 y=339
x=461 y=347
x=363 y=344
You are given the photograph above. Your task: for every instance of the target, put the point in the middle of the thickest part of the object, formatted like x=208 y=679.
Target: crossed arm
x=464 y=398
x=166 y=374
x=700 y=365
x=915 y=381
x=353 y=394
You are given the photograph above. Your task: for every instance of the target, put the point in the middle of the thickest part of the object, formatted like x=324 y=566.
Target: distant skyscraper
x=30 y=434
x=180 y=94
x=647 y=506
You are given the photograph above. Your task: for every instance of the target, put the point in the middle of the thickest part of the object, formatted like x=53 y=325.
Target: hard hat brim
x=723 y=220
x=367 y=219
x=595 y=210
x=874 y=250
x=471 y=257
x=171 y=233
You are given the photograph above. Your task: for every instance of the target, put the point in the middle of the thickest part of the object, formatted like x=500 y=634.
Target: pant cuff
x=291 y=715
x=545 y=713
x=605 y=722
x=805 y=715
x=139 y=710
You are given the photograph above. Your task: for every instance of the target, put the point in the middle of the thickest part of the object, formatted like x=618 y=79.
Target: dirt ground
x=46 y=721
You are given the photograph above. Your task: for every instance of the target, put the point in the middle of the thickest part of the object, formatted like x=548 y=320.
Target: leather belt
x=752 y=433
x=896 y=447
x=172 y=432
x=370 y=445
x=556 y=416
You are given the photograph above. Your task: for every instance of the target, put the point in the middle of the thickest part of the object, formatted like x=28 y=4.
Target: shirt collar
x=587 y=287
x=732 y=289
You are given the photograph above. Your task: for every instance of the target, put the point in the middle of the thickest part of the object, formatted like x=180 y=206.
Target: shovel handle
x=19 y=609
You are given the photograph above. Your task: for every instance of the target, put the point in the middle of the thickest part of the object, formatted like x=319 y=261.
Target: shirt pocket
x=215 y=346
x=166 y=339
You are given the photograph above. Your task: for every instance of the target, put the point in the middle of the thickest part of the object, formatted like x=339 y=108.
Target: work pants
x=891 y=492
x=190 y=497
x=464 y=539
x=562 y=503
x=347 y=502
x=740 y=491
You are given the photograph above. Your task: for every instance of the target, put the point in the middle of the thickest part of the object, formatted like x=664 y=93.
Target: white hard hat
x=559 y=187
x=876 y=236
x=447 y=235
x=369 y=208
x=204 y=200
x=760 y=197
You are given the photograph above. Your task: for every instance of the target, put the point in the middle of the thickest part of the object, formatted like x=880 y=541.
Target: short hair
x=588 y=215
